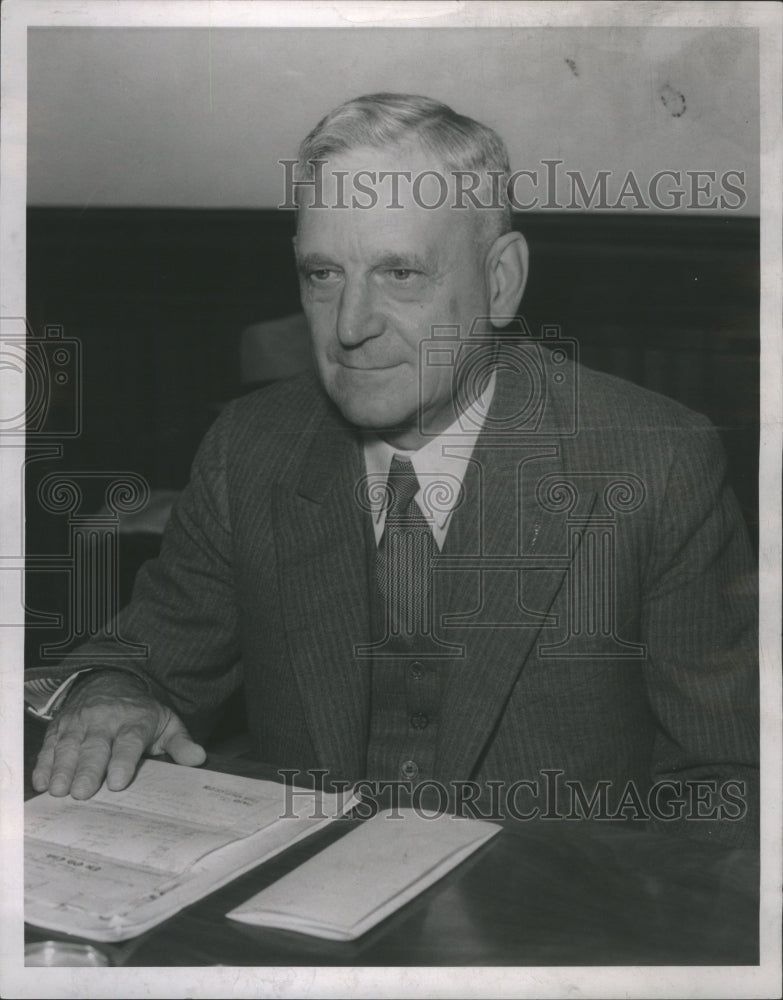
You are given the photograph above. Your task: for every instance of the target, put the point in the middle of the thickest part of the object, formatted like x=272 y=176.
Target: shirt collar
x=439 y=469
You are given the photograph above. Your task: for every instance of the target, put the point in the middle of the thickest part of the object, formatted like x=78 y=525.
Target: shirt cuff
x=44 y=696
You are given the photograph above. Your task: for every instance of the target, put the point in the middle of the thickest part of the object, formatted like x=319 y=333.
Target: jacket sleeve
x=700 y=626
x=183 y=612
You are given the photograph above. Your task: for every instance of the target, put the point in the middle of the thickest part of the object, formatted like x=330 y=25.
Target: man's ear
x=507 y=269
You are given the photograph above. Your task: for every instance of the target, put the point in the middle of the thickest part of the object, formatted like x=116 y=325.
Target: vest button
x=416 y=670
x=409 y=769
x=419 y=721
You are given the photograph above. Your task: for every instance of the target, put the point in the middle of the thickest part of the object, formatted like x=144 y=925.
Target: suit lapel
x=322 y=563
x=502 y=517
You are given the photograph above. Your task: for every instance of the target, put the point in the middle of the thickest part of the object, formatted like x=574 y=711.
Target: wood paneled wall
x=158 y=300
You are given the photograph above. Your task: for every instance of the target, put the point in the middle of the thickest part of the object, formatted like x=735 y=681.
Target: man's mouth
x=370 y=368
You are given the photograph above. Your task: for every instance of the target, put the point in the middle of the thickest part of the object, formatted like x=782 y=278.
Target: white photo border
x=676 y=981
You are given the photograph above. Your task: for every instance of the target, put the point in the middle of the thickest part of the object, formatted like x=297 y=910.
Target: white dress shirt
x=440 y=467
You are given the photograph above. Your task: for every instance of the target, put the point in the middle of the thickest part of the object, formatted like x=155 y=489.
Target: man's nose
x=358 y=317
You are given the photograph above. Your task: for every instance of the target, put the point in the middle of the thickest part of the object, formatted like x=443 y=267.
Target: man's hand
x=106 y=723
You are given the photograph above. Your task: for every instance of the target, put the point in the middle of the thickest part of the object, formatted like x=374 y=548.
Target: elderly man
x=456 y=556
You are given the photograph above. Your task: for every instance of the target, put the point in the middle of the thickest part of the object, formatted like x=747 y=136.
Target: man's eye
x=320 y=274
x=402 y=273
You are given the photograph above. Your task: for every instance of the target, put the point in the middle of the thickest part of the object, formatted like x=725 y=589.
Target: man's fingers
x=91 y=766
x=182 y=750
x=105 y=727
x=66 y=757
x=43 y=765
x=175 y=740
x=129 y=744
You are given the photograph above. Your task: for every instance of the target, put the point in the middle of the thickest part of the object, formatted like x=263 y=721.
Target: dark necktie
x=403 y=566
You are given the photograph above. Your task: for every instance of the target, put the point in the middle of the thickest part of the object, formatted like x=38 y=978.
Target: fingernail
x=58 y=786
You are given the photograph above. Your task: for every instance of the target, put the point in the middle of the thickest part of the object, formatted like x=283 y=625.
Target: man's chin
x=376 y=418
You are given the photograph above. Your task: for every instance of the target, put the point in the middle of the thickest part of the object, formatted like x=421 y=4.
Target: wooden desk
x=536 y=894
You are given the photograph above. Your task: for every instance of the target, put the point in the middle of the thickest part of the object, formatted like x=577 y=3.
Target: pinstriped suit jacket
x=262 y=580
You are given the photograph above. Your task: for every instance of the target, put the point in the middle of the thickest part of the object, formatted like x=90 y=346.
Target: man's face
x=373 y=284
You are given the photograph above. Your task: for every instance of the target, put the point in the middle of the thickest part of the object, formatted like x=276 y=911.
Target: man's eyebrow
x=392 y=259
x=402 y=261
x=310 y=261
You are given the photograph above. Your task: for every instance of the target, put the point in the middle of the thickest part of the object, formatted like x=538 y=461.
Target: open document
x=113 y=866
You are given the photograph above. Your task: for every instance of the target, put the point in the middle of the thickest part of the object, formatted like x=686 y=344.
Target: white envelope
x=366 y=875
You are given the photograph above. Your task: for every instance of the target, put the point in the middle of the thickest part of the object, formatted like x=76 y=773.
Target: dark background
x=158 y=300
